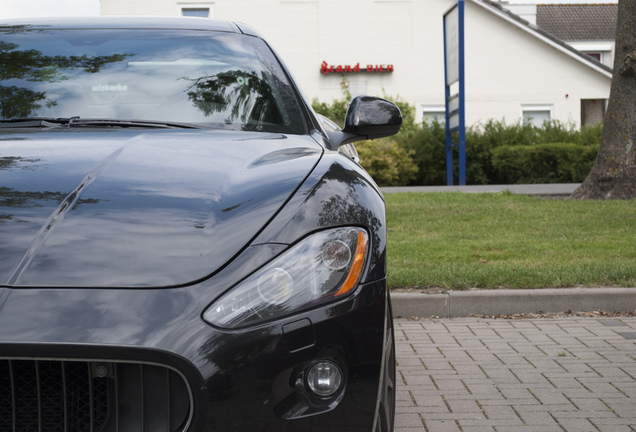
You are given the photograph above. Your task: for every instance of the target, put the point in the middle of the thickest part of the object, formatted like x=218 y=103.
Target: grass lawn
x=492 y=240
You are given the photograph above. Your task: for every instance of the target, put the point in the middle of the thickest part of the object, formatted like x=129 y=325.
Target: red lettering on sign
x=327 y=68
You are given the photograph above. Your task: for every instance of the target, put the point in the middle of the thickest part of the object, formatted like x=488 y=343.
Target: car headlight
x=320 y=268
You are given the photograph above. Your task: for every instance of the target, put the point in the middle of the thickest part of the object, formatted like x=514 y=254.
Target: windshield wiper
x=76 y=121
x=44 y=122
x=71 y=122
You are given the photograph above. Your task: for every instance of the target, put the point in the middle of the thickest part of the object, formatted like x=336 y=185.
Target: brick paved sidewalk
x=471 y=374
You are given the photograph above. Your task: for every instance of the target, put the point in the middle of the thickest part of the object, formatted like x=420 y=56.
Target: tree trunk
x=614 y=173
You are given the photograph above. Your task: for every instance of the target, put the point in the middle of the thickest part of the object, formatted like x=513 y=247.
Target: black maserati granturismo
x=185 y=245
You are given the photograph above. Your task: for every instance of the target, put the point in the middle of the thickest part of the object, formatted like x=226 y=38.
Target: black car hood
x=138 y=209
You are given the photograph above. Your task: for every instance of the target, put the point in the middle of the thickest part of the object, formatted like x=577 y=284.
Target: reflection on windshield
x=33 y=66
x=239 y=96
x=215 y=79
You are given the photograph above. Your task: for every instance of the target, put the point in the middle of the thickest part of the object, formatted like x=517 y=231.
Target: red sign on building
x=326 y=68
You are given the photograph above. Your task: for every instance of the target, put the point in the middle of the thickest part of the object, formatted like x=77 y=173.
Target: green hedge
x=426 y=144
x=543 y=163
x=388 y=163
x=496 y=152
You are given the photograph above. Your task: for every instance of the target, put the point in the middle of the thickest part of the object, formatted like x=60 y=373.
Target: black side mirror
x=368 y=117
x=372 y=117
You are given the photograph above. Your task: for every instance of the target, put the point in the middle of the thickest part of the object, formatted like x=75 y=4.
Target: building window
x=601 y=51
x=200 y=10
x=432 y=113
x=536 y=115
x=592 y=111
x=598 y=56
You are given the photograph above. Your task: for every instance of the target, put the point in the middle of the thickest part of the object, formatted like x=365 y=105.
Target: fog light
x=324 y=378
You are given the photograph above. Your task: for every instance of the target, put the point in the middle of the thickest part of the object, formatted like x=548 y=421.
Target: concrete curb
x=513 y=301
x=563 y=189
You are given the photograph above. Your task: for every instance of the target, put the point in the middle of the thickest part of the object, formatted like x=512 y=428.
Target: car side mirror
x=368 y=117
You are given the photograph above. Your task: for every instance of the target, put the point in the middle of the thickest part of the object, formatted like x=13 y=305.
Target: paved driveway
x=472 y=374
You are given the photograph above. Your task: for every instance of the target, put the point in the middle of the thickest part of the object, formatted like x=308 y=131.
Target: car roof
x=129 y=22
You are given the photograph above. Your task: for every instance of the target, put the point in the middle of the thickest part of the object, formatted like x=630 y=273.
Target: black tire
x=387 y=403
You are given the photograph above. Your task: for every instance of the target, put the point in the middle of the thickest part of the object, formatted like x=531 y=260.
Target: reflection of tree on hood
x=243 y=96
x=11 y=198
x=32 y=65
x=345 y=208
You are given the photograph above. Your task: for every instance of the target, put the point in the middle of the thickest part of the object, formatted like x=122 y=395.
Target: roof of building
x=579 y=22
x=544 y=35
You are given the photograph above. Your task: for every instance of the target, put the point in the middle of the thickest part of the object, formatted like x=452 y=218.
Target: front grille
x=91 y=396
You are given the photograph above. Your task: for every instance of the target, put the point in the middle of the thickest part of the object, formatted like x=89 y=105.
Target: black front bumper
x=154 y=345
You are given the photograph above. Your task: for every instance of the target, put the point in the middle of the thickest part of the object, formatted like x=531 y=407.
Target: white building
x=590 y=28
x=513 y=69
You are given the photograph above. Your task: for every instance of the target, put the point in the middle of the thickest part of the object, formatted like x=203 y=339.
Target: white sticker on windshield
x=110 y=88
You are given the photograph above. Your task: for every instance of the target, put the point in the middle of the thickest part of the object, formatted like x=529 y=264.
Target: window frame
x=529 y=108
x=195 y=6
x=596 y=55
x=439 y=111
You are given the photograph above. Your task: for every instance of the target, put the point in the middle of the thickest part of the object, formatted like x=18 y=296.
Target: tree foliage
x=387 y=162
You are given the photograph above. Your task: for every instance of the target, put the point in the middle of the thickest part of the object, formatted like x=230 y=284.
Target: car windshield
x=210 y=79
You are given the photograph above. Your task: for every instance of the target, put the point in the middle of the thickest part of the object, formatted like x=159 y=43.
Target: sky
x=53 y=8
